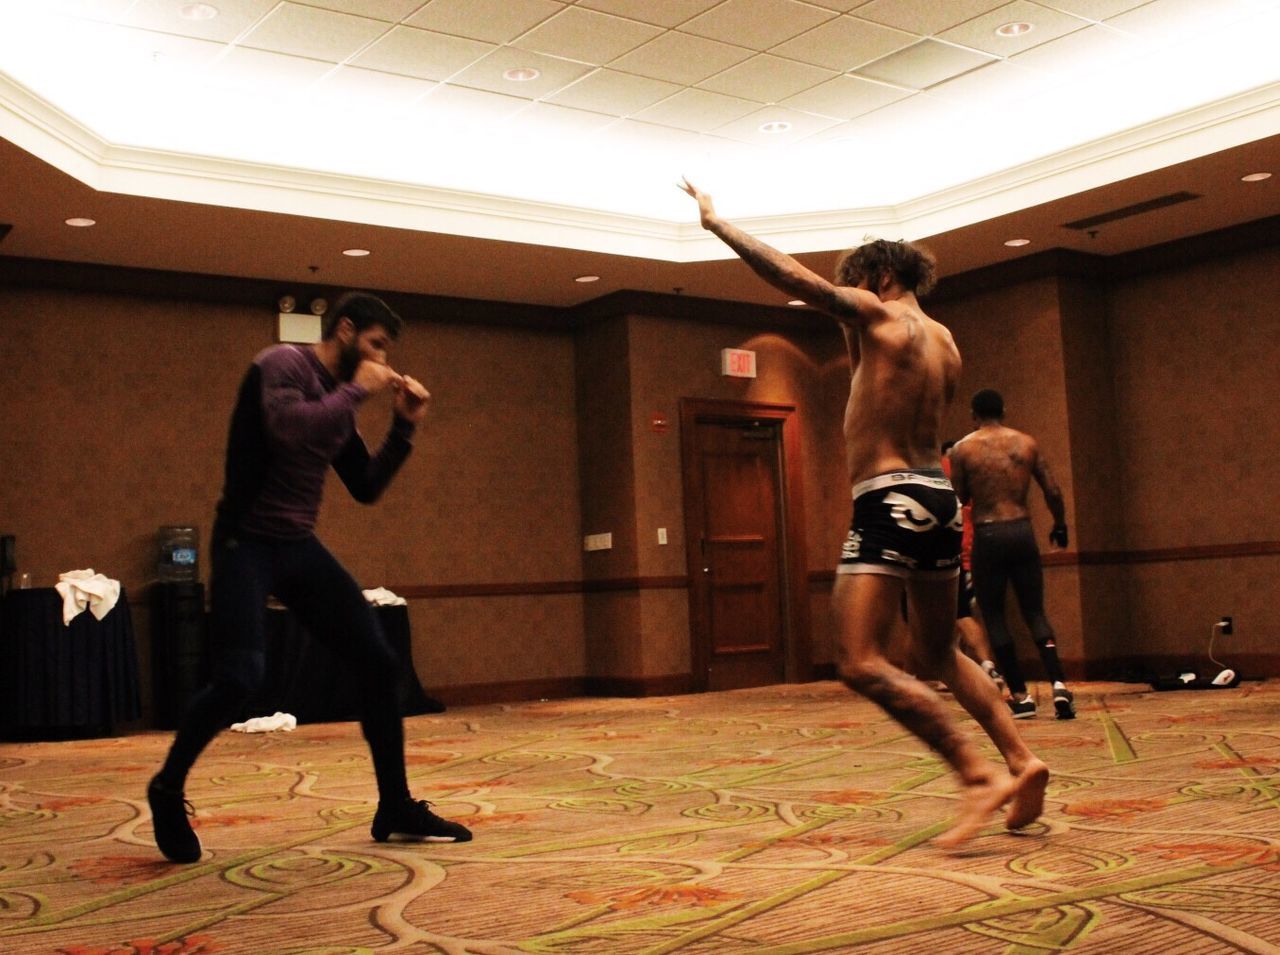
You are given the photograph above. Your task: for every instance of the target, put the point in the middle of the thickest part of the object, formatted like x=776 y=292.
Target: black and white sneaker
x=169 y=811
x=990 y=670
x=1064 y=703
x=1023 y=709
x=412 y=821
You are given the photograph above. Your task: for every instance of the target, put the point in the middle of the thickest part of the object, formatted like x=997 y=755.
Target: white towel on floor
x=267 y=724
x=84 y=590
x=382 y=597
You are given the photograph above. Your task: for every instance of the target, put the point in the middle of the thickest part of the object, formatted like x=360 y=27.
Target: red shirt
x=966 y=516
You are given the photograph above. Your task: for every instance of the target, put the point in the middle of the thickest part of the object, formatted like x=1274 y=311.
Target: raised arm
x=847 y=305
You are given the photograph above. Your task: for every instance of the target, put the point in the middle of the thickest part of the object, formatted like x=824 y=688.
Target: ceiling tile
x=495 y=21
x=619 y=94
x=681 y=58
x=668 y=13
x=840 y=6
x=267 y=74
x=587 y=36
x=546 y=119
x=687 y=145
x=999 y=87
x=1093 y=9
x=924 y=64
x=845 y=97
x=421 y=53
x=173 y=52
x=1096 y=45
x=390 y=11
x=1168 y=19
x=554 y=73
x=845 y=43
x=106 y=11
x=926 y=17
x=355 y=88
x=747 y=128
x=919 y=110
x=980 y=32
x=697 y=110
x=767 y=79
x=759 y=24
x=234 y=17
x=311 y=32
x=458 y=109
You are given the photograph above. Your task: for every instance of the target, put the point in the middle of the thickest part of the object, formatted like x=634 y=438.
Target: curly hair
x=913 y=267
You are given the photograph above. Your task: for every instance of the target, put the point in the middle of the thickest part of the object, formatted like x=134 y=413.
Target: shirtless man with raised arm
x=906 y=523
x=993 y=467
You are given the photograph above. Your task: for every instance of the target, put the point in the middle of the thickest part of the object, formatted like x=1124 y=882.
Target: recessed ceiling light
x=584 y=279
x=521 y=74
x=777 y=126
x=797 y=302
x=199 y=11
x=355 y=253
x=81 y=223
x=1255 y=177
x=1014 y=29
x=1015 y=243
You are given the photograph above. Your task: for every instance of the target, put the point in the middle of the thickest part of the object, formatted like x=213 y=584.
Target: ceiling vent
x=1172 y=199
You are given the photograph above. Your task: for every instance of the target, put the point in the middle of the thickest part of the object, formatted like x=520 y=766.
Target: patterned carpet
x=788 y=819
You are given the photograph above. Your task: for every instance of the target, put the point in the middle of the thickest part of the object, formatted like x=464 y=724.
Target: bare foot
x=1028 y=798
x=980 y=801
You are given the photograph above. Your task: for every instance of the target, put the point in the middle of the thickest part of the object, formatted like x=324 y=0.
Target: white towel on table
x=84 y=590
x=382 y=597
x=267 y=724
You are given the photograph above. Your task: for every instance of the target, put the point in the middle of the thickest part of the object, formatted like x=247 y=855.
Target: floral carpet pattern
x=786 y=819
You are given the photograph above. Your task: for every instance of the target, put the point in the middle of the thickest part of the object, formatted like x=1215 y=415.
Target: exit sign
x=737 y=363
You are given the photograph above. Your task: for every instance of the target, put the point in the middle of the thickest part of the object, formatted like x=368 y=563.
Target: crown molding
x=57 y=138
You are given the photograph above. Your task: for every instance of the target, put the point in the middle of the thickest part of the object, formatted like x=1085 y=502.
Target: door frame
x=793 y=552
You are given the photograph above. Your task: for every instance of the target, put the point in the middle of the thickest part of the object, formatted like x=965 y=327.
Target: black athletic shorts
x=905 y=524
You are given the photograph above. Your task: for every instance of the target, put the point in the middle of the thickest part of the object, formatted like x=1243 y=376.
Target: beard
x=349 y=359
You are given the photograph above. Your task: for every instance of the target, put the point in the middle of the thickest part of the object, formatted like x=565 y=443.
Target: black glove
x=1058 y=535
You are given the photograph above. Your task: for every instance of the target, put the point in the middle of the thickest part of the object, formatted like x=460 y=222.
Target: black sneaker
x=169 y=811
x=1023 y=709
x=1064 y=704
x=411 y=819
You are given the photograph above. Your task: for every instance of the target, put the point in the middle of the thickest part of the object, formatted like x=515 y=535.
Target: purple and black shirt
x=291 y=421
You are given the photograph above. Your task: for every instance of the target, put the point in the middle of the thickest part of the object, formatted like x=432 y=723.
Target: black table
x=59 y=681
x=304 y=677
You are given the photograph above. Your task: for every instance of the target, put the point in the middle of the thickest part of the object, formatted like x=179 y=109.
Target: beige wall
x=1197 y=353
x=640 y=366
x=1151 y=393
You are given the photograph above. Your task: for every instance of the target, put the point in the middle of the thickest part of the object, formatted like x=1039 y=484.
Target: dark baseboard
x=560 y=688
x=672 y=684
x=1141 y=669
x=511 y=691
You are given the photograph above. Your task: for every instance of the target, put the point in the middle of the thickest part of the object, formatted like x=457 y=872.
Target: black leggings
x=1003 y=553
x=307 y=579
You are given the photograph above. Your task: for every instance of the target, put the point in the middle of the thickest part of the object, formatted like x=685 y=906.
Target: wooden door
x=736 y=555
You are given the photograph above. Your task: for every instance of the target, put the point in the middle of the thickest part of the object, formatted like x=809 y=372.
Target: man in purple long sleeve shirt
x=294 y=418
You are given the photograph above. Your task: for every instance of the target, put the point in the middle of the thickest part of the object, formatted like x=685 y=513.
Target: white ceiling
x=906 y=117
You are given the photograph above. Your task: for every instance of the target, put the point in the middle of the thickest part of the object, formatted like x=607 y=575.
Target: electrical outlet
x=1224 y=626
